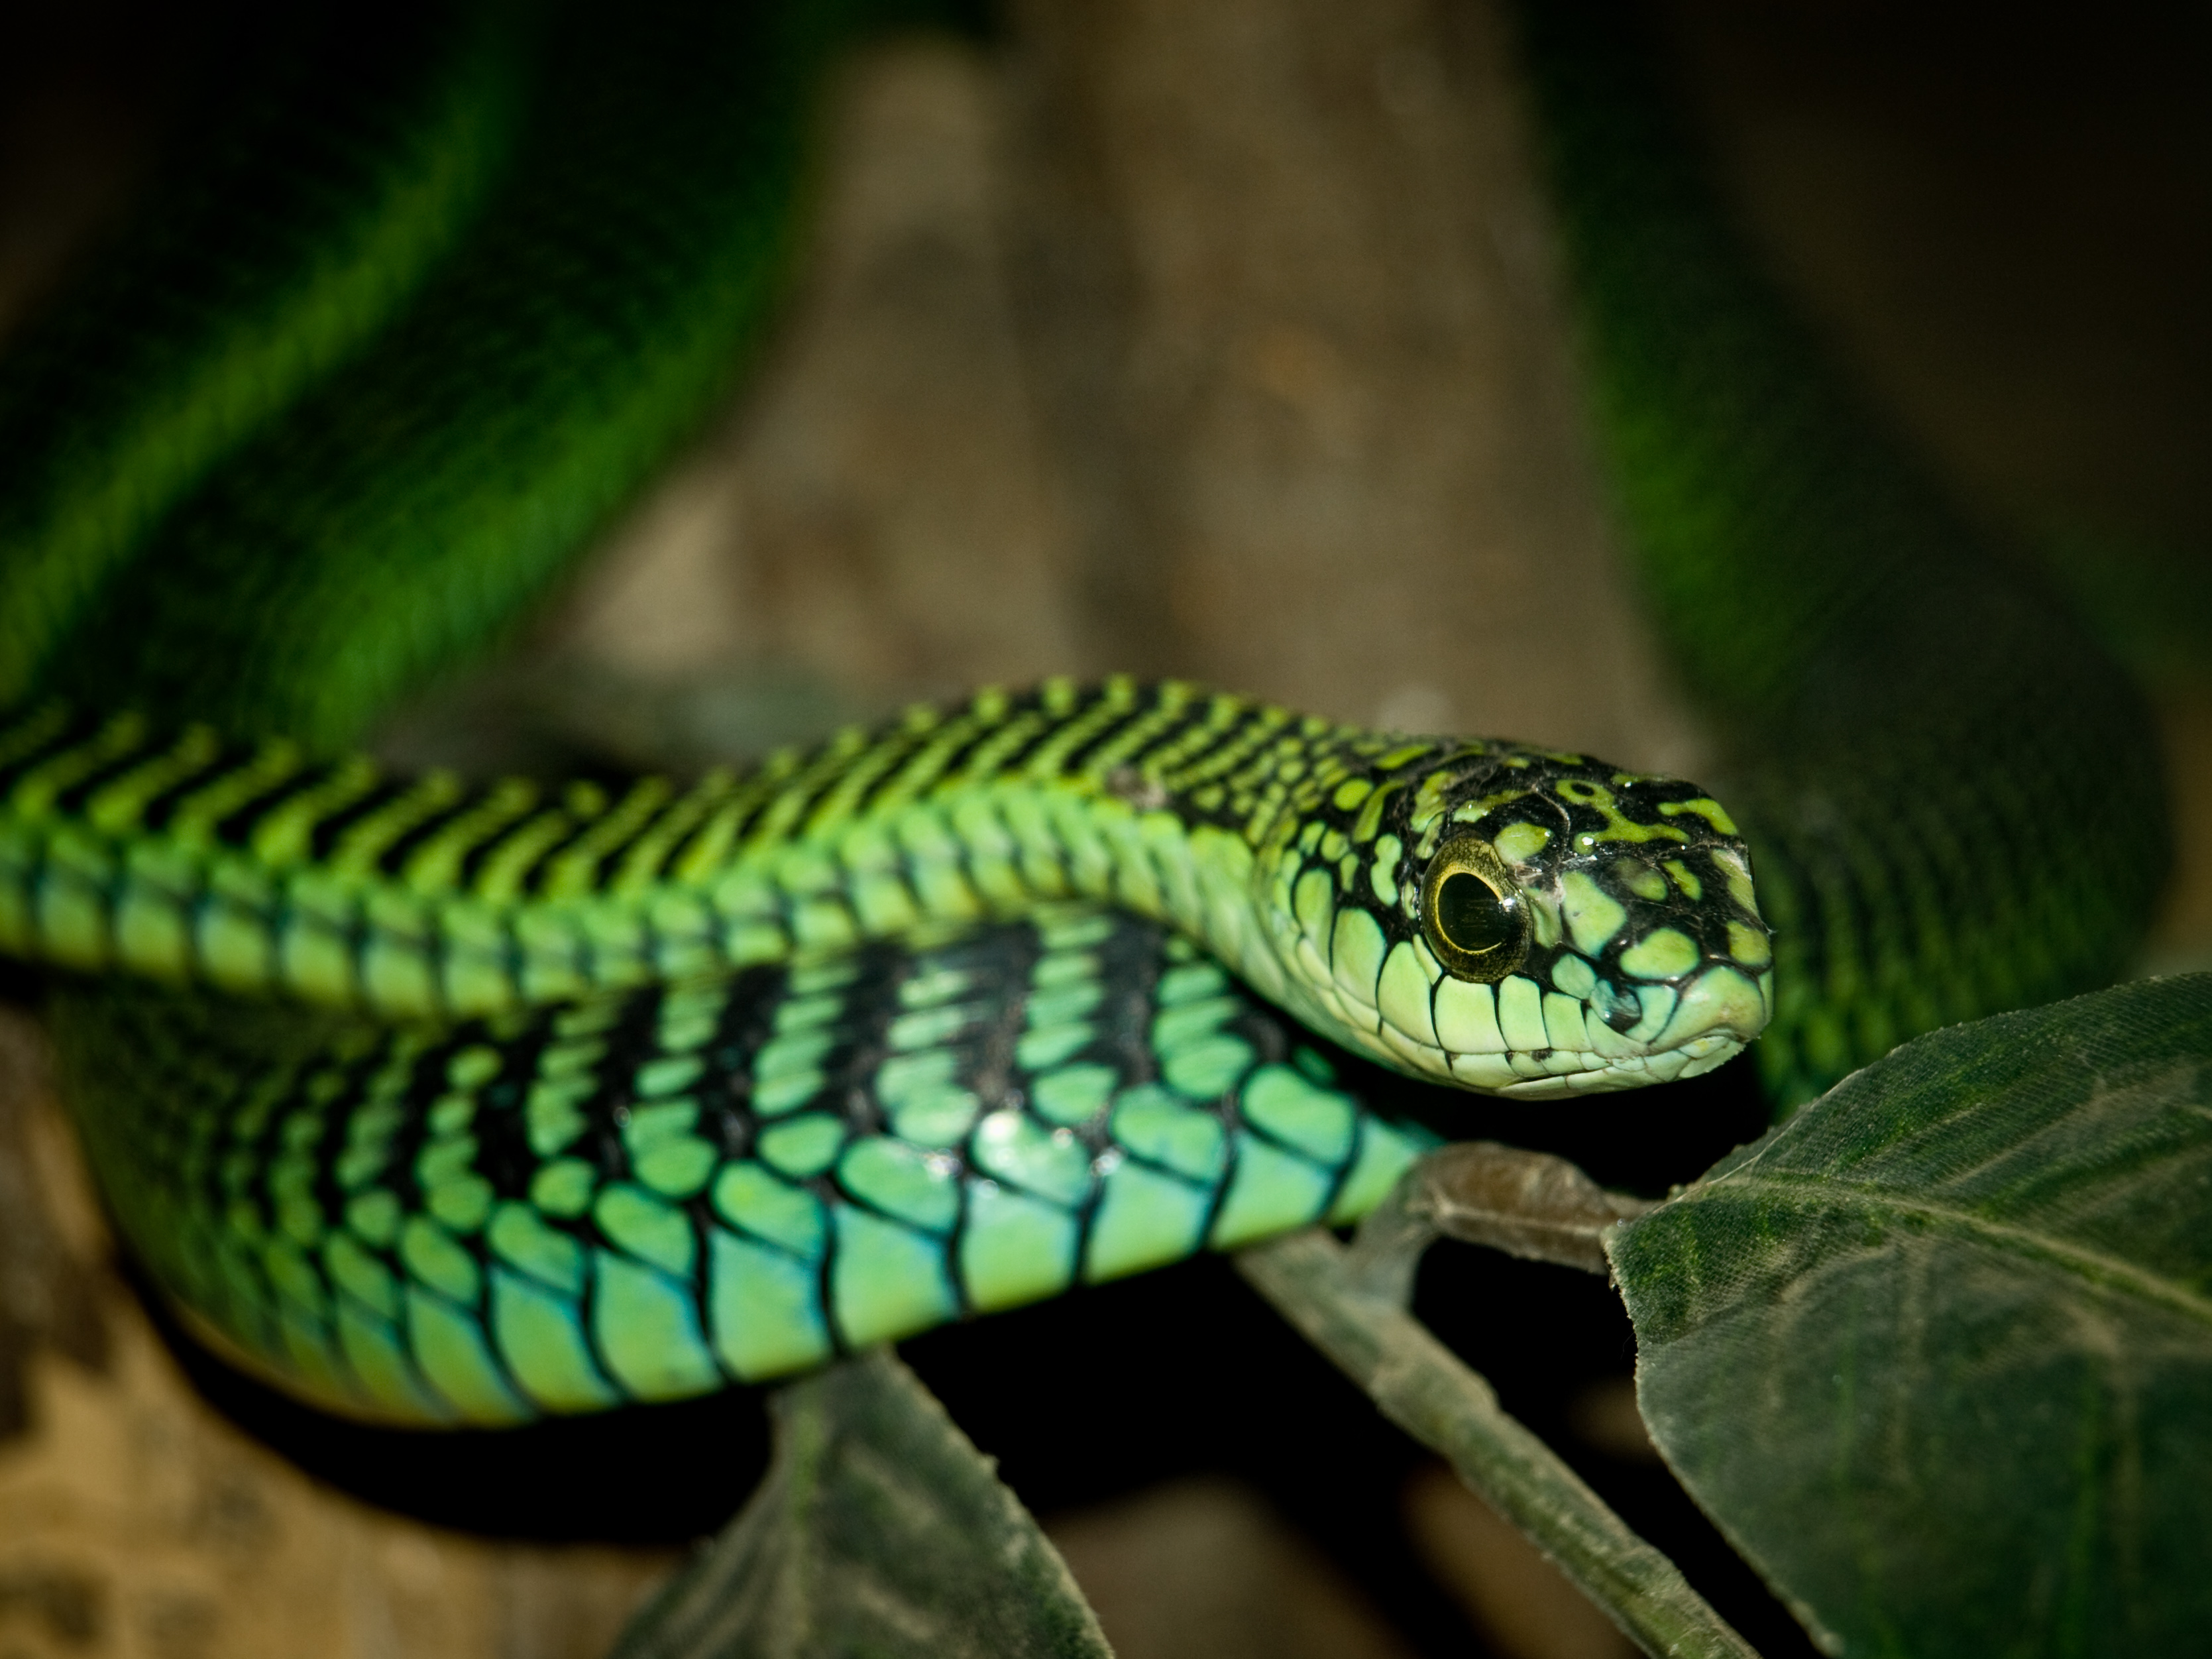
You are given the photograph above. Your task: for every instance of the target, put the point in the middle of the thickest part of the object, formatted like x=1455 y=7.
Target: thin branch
x=1419 y=1385
x=1531 y=1205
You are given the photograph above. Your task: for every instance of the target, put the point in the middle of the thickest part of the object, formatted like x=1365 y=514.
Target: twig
x=1531 y=1205
x=1419 y=1385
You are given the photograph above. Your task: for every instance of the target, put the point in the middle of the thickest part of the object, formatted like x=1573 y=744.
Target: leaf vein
x=2093 y=1265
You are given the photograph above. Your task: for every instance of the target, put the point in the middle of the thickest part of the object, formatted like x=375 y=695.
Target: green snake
x=440 y=1102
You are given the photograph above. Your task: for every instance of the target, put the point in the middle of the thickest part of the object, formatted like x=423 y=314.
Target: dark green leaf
x=1937 y=1352
x=880 y=1531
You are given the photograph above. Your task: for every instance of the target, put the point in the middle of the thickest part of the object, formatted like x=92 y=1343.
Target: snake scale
x=441 y=1102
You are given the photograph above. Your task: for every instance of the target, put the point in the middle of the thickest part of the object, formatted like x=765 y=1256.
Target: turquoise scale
x=652 y=1194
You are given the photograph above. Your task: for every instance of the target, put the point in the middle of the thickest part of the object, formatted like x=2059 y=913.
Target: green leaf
x=1937 y=1352
x=880 y=1531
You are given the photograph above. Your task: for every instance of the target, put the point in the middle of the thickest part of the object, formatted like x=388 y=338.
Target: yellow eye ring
x=1472 y=914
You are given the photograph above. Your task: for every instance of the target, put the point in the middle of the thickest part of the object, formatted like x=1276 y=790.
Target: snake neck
x=256 y=869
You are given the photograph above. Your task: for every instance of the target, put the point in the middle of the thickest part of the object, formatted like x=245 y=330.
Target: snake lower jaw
x=1610 y=1075
x=1692 y=1029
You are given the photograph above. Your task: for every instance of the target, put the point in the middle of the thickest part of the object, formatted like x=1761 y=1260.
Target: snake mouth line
x=1689 y=1027
x=1598 y=1074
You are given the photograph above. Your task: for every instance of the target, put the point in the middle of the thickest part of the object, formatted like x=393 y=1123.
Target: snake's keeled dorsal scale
x=1479 y=913
x=349 y=155
x=395 y=511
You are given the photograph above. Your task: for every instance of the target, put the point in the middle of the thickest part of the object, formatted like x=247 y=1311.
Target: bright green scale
x=649 y=1196
x=443 y=1103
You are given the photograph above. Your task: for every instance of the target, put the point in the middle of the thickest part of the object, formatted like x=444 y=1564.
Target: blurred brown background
x=1220 y=341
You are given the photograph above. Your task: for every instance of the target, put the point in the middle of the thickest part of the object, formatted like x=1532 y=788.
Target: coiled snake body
x=449 y=1104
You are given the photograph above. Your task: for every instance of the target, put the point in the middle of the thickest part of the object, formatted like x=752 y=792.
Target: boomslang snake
x=440 y=1103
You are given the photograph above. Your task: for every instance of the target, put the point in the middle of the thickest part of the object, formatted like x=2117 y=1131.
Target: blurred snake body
x=451 y=1102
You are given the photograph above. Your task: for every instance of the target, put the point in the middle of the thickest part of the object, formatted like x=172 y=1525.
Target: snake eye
x=1472 y=911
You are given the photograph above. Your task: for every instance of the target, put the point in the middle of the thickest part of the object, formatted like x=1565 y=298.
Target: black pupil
x=1470 y=916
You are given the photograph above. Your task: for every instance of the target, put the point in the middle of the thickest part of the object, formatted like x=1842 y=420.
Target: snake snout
x=1716 y=1015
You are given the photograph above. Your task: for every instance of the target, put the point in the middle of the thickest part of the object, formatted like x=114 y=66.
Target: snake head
x=1521 y=921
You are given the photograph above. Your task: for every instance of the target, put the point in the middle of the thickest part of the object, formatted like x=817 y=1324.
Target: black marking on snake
x=236 y=828
x=330 y=830
x=72 y=800
x=393 y=861
x=164 y=804
x=75 y=728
